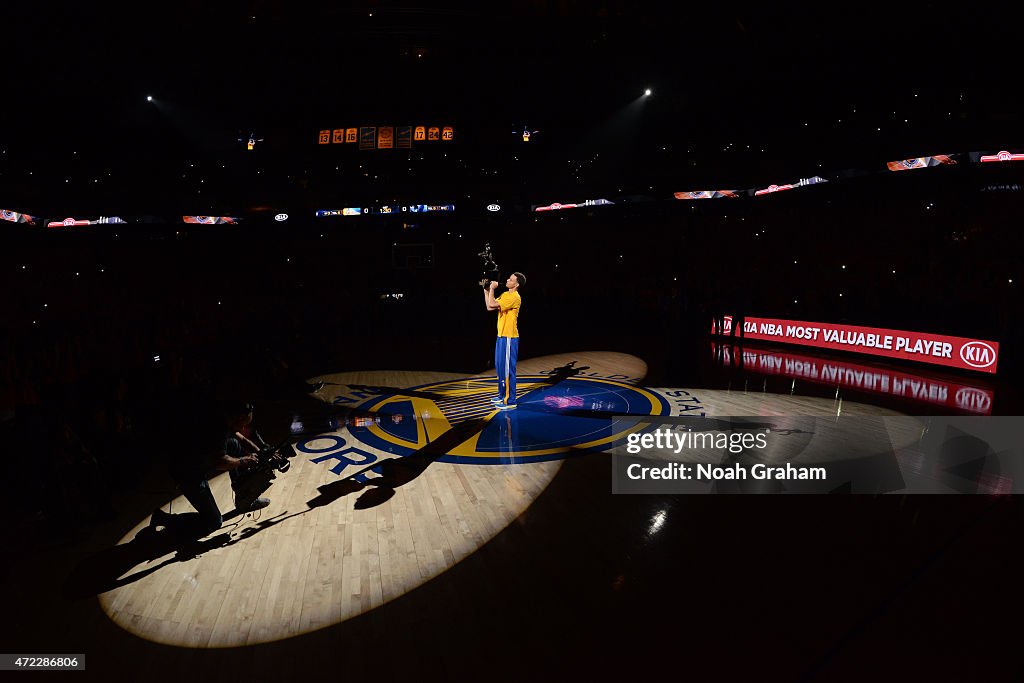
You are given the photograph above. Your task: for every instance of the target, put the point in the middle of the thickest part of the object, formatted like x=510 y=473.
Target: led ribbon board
x=804 y=182
x=74 y=222
x=1001 y=156
x=920 y=162
x=955 y=352
x=209 y=220
x=707 y=194
x=15 y=217
x=558 y=207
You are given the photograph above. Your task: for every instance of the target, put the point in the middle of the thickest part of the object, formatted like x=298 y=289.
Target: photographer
x=222 y=449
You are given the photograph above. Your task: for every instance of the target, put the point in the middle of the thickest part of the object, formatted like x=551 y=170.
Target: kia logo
x=976 y=400
x=977 y=354
x=493 y=207
x=281 y=217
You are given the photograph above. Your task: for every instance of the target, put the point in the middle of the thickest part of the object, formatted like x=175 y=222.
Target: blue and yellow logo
x=553 y=420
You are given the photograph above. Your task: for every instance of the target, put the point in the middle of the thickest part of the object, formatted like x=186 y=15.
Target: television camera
x=252 y=481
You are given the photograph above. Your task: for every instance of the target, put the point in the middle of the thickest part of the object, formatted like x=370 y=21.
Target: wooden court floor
x=424 y=509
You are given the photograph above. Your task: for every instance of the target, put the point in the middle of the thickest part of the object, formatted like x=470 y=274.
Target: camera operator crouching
x=228 y=444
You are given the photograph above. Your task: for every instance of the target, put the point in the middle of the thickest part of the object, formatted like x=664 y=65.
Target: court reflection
x=950 y=392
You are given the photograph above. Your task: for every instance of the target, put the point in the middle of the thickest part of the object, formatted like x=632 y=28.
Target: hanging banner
x=368 y=137
x=404 y=135
x=386 y=137
x=325 y=137
x=351 y=135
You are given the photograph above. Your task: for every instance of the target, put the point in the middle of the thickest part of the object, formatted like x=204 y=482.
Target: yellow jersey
x=508 y=314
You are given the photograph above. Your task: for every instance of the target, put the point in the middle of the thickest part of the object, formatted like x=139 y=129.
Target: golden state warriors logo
x=554 y=419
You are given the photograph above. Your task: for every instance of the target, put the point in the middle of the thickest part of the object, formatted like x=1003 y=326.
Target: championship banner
x=859 y=377
x=936 y=349
x=404 y=135
x=377 y=137
x=367 y=137
x=707 y=194
x=209 y=220
x=15 y=217
x=920 y=162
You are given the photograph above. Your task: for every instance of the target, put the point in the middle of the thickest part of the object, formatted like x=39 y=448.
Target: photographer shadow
x=106 y=570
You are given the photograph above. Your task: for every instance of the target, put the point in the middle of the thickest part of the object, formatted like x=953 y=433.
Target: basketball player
x=506 y=349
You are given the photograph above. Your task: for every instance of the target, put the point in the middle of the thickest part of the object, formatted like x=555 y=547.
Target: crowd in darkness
x=102 y=329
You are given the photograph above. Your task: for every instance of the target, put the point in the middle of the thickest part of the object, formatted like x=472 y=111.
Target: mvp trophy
x=490 y=268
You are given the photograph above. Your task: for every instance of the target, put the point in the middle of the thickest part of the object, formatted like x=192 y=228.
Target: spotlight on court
x=647 y=93
x=149 y=98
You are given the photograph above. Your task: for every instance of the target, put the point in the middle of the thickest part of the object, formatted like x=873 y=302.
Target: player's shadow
x=563 y=372
x=396 y=472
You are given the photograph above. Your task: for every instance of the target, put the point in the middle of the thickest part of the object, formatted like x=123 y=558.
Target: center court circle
x=554 y=420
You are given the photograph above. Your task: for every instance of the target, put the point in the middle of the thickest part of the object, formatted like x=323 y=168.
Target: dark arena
x=535 y=340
